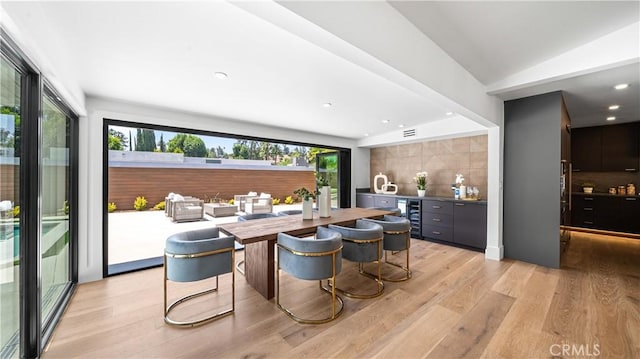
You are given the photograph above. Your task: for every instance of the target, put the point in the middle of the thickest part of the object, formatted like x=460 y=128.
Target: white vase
x=324 y=202
x=307 y=209
x=422 y=192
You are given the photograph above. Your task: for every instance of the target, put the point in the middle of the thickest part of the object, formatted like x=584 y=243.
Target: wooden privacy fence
x=127 y=183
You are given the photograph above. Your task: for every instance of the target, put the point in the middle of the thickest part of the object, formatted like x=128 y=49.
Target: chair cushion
x=265 y=195
x=394 y=242
x=360 y=252
x=252 y=194
x=178 y=198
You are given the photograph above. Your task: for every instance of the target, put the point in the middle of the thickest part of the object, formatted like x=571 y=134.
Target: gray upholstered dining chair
x=196 y=255
x=362 y=244
x=311 y=259
x=397 y=238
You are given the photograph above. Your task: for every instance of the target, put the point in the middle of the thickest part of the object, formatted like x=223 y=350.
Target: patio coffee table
x=220 y=209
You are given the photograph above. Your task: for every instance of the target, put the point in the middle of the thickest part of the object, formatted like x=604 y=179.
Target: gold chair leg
x=195 y=323
x=334 y=299
x=406 y=270
x=377 y=278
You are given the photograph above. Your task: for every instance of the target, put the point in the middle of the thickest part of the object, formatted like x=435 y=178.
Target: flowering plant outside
x=421 y=180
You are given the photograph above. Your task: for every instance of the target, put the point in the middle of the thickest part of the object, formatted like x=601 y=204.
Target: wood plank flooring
x=457 y=305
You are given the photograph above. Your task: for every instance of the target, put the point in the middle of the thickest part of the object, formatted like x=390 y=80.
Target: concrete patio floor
x=137 y=235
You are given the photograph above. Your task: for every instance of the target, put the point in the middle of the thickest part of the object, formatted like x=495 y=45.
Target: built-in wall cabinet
x=611 y=148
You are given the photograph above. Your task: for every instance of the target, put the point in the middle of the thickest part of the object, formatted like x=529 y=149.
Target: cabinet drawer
x=437 y=219
x=437 y=232
x=384 y=201
x=443 y=207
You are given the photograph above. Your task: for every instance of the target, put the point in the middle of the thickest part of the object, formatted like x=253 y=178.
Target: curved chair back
x=249 y=217
x=360 y=243
x=396 y=230
x=310 y=259
x=192 y=256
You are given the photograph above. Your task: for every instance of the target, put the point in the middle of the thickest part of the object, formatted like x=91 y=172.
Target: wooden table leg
x=259 y=267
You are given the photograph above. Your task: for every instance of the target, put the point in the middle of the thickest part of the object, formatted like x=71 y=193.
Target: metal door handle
x=459 y=204
x=436 y=219
x=436 y=232
x=436 y=207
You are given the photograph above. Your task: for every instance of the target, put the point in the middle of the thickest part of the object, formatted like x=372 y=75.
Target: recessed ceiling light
x=220 y=75
x=614 y=107
x=449 y=113
x=385 y=121
x=366 y=135
x=621 y=86
x=326 y=104
x=401 y=125
x=611 y=118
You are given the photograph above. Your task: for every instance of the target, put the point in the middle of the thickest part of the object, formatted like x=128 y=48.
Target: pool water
x=7 y=235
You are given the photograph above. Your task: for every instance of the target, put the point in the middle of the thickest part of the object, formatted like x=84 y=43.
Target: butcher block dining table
x=259 y=237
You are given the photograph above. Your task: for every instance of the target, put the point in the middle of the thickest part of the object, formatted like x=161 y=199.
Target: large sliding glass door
x=55 y=206
x=10 y=100
x=38 y=201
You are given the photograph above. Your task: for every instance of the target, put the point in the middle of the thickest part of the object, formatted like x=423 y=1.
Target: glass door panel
x=327 y=167
x=54 y=216
x=10 y=85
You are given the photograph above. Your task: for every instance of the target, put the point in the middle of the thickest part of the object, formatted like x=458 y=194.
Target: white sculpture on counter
x=386 y=187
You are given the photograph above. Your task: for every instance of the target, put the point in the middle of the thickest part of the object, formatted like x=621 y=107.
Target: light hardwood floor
x=457 y=305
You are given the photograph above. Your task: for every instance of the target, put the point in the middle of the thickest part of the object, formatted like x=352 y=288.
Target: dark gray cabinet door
x=470 y=224
x=620 y=147
x=586 y=149
x=364 y=200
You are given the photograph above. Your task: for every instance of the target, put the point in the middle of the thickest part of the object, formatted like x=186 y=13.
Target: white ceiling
x=494 y=40
x=165 y=53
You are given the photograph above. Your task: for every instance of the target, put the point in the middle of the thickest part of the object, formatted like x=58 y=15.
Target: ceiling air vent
x=409 y=133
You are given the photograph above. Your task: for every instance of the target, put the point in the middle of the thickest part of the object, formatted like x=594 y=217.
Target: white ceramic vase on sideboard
x=422 y=192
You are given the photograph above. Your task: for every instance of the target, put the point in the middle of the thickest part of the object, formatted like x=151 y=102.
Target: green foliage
x=288 y=200
x=275 y=201
x=145 y=140
x=65 y=207
x=140 y=204
x=111 y=207
x=588 y=184
x=159 y=206
x=190 y=145
x=304 y=193
x=115 y=144
x=117 y=140
x=322 y=180
x=16 y=211
x=162 y=146
x=232 y=201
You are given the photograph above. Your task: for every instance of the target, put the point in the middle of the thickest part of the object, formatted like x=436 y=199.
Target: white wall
x=91 y=152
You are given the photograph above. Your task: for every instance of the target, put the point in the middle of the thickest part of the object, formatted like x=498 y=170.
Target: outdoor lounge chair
x=184 y=210
x=262 y=204
x=241 y=199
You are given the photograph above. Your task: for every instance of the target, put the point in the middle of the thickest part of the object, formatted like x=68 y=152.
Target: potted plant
x=587 y=187
x=421 y=182
x=307 y=201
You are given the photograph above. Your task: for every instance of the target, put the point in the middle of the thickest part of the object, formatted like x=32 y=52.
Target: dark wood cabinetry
x=586 y=149
x=612 y=148
x=620 y=150
x=470 y=224
x=611 y=213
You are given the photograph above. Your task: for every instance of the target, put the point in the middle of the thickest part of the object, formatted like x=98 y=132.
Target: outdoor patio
x=137 y=235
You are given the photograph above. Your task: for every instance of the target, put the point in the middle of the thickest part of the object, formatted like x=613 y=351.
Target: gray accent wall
x=532 y=154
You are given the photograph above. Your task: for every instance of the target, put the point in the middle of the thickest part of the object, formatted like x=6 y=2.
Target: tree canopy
x=190 y=145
